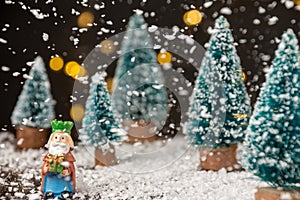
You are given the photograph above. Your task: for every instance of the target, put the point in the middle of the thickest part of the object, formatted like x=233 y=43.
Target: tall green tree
x=272 y=147
x=35 y=105
x=99 y=126
x=139 y=93
x=220 y=106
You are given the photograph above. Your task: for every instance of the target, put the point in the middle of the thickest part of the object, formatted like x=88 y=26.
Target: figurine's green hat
x=63 y=126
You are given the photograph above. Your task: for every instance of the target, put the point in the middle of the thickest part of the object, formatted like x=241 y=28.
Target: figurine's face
x=59 y=143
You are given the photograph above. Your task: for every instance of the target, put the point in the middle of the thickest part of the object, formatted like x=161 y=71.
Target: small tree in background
x=272 y=147
x=220 y=106
x=139 y=96
x=99 y=126
x=34 y=109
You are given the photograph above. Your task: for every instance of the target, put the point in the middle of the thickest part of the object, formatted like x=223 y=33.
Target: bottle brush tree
x=34 y=108
x=220 y=106
x=139 y=95
x=272 y=145
x=99 y=126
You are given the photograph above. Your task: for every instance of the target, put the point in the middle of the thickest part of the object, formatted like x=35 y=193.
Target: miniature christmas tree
x=220 y=106
x=34 y=109
x=199 y=110
x=139 y=93
x=99 y=126
x=272 y=147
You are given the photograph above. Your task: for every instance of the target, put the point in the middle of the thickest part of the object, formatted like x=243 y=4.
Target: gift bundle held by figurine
x=58 y=170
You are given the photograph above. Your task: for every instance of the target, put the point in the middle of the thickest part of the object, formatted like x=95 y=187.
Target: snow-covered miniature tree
x=272 y=146
x=35 y=106
x=99 y=126
x=139 y=93
x=220 y=106
x=199 y=110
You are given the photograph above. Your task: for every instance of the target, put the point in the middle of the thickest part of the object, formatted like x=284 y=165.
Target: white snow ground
x=151 y=171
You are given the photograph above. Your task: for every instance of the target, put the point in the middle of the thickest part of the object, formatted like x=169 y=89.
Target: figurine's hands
x=45 y=168
x=66 y=172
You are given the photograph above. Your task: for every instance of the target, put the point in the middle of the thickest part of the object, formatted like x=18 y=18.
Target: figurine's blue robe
x=56 y=183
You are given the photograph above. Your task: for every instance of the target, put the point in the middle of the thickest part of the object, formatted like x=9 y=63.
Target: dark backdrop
x=23 y=33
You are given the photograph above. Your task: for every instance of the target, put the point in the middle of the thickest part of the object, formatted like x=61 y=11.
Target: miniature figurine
x=58 y=170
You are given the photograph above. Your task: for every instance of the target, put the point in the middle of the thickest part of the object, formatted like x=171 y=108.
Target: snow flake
x=273 y=20
x=26 y=76
x=5 y=68
x=265 y=57
x=169 y=37
x=261 y=10
x=222 y=100
x=37 y=13
x=243 y=41
x=158 y=87
x=104 y=30
x=224 y=59
x=226 y=11
x=109 y=22
x=15 y=74
x=98 y=7
x=289 y=4
x=208 y=4
x=45 y=36
x=152 y=28
x=74 y=12
x=256 y=21
x=3 y=41
x=192 y=49
x=138 y=11
x=9 y=2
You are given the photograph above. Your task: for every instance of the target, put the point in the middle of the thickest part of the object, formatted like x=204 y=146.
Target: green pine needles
x=272 y=147
x=220 y=107
x=99 y=127
x=139 y=93
x=35 y=106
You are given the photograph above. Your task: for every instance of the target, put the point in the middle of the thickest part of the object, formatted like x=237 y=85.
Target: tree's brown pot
x=107 y=158
x=216 y=159
x=140 y=132
x=269 y=193
x=31 y=138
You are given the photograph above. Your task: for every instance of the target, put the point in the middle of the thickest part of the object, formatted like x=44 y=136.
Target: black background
x=25 y=44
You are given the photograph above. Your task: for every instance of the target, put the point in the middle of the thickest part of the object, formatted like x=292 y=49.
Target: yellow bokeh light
x=244 y=76
x=82 y=72
x=297 y=2
x=107 y=47
x=75 y=70
x=56 y=63
x=192 y=17
x=110 y=84
x=164 y=57
x=77 y=112
x=85 y=19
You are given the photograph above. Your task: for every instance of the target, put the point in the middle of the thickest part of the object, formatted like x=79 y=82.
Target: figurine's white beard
x=58 y=148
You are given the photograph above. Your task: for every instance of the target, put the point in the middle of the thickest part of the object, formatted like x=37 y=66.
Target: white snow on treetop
x=221 y=22
x=99 y=76
x=39 y=64
x=138 y=11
